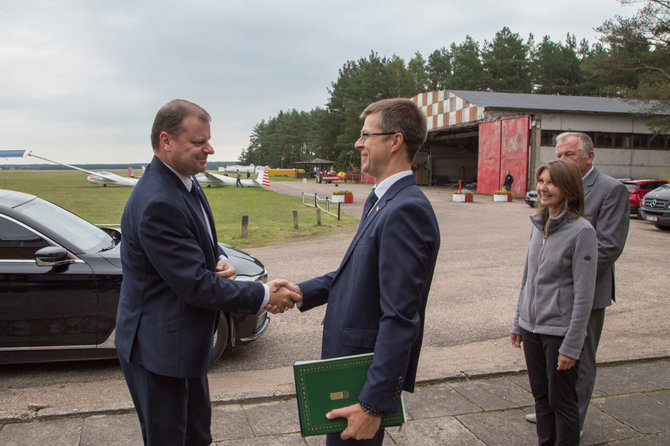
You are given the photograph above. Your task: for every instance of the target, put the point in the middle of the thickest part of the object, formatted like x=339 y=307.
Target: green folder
x=327 y=384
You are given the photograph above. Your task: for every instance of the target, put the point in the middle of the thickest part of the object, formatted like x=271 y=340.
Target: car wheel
x=662 y=228
x=220 y=339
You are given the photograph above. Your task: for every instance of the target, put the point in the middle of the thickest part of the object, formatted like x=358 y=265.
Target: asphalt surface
x=473 y=390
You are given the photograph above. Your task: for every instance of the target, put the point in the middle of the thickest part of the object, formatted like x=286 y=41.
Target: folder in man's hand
x=327 y=384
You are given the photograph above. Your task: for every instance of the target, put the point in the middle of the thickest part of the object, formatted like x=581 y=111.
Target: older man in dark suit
x=176 y=279
x=377 y=297
x=607 y=207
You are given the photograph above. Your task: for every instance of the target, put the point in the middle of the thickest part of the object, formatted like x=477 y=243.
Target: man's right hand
x=283 y=295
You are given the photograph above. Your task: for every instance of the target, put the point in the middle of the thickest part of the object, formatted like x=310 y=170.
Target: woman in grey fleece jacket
x=555 y=301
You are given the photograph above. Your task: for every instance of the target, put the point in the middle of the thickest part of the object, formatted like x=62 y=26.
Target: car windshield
x=82 y=234
x=632 y=186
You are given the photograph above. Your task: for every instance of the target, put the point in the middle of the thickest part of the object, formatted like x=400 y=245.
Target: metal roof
x=315 y=161
x=548 y=102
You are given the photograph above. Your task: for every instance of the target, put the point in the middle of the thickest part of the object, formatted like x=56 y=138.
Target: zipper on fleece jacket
x=539 y=261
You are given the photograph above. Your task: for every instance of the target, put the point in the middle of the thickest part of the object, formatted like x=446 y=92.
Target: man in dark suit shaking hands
x=176 y=279
x=377 y=297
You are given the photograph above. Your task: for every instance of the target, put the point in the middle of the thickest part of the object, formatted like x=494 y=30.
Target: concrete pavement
x=471 y=390
x=631 y=406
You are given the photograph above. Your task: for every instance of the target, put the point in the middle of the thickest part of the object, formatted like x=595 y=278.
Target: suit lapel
x=374 y=212
x=194 y=207
x=190 y=203
x=589 y=181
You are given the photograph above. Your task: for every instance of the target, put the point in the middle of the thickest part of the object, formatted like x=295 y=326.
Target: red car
x=637 y=189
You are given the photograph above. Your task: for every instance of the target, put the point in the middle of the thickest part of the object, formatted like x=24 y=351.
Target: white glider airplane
x=103 y=178
x=205 y=178
x=214 y=179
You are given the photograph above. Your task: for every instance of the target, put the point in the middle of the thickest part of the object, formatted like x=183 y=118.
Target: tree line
x=631 y=60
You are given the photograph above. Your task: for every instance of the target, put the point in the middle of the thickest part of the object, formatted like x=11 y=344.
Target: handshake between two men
x=283 y=295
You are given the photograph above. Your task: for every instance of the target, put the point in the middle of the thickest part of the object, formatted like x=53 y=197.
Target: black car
x=655 y=207
x=60 y=278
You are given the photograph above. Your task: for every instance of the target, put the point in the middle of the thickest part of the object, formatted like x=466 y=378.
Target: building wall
x=619 y=162
x=585 y=122
x=622 y=163
x=444 y=109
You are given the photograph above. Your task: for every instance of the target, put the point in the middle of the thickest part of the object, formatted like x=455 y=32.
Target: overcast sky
x=81 y=80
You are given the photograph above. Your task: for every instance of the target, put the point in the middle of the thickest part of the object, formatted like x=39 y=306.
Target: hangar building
x=478 y=136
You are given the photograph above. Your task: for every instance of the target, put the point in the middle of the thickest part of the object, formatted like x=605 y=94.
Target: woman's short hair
x=568 y=179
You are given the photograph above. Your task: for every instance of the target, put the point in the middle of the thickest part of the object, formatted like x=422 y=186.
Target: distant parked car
x=531 y=198
x=637 y=189
x=655 y=207
x=60 y=278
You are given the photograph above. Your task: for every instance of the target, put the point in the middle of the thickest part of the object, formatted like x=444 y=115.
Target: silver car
x=655 y=207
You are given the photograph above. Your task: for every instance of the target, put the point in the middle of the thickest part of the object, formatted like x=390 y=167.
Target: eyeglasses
x=364 y=135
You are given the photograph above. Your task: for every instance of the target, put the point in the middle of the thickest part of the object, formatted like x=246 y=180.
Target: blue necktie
x=202 y=214
x=194 y=190
x=369 y=202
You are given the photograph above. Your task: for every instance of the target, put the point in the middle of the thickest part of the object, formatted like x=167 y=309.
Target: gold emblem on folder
x=339 y=395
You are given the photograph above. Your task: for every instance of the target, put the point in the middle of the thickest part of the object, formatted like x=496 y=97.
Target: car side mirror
x=52 y=256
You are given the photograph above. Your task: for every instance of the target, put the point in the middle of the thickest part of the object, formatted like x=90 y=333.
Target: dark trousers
x=587 y=362
x=335 y=440
x=554 y=391
x=172 y=411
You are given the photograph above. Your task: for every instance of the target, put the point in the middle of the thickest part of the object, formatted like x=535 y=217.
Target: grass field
x=270 y=214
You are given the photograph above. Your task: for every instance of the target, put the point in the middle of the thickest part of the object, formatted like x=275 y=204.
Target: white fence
x=324 y=204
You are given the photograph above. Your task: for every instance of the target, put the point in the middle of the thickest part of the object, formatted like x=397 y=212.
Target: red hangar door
x=503 y=146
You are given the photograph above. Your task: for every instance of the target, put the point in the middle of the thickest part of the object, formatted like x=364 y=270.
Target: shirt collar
x=381 y=188
x=188 y=182
x=589 y=172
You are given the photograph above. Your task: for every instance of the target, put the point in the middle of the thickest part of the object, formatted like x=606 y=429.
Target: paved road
x=469 y=313
x=477 y=281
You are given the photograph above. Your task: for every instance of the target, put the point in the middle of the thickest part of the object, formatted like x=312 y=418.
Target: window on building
x=603 y=140
x=658 y=141
x=621 y=141
x=640 y=141
x=606 y=140
x=548 y=137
